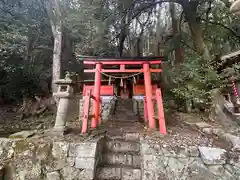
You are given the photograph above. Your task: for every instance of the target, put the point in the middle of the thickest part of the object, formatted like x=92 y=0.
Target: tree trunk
x=158 y=36
x=122 y=36
x=57 y=50
x=122 y=6
x=54 y=13
x=121 y=43
x=190 y=11
x=199 y=43
x=179 y=58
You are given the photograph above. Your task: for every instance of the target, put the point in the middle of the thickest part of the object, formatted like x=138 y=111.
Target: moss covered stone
x=22 y=134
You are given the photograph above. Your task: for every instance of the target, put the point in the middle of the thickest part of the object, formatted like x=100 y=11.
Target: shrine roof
x=97 y=58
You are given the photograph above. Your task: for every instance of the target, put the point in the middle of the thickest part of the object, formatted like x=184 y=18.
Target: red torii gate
x=145 y=62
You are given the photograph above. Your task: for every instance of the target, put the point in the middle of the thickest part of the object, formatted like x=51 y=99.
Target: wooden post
x=96 y=101
x=161 y=119
x=148 y=90
x=86 y=111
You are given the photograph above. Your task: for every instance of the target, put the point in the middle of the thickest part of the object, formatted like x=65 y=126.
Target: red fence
x=87 y=102
x=104 y=90
x=140 y=89
x=161 y=118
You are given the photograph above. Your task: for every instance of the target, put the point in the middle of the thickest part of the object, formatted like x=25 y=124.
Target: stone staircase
x=124 y=111
x=121 y=158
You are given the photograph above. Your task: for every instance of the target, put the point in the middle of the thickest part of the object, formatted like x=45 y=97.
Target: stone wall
x=73 y=111
x=76 y=105
x=138 y=106
x=60 y=158
x=193 y=163
x=49 y=160
x=108 y=104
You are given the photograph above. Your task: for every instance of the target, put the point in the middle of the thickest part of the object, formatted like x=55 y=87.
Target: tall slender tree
x=56 y=21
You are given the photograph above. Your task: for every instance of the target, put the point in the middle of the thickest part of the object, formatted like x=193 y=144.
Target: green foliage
x=191 y=81
x=18 y=79
x=25 y=49
x=95 y=27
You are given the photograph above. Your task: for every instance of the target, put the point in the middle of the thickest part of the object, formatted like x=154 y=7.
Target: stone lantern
x=64 y=94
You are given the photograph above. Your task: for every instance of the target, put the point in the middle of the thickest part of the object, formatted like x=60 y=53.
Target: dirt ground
x=11 y=122
x=178 y=133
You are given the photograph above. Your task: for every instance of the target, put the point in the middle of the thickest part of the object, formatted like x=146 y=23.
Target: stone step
x=125 y=116
x=123 y=146
x=131 y=160
x=124 y=111
x=118 y=173
x=124 y=100
x=113 y=135
x=124 y=106
x=120 y=120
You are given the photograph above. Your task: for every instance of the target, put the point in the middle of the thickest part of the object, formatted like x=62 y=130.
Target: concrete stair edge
x=121 y=159
x=118 y=173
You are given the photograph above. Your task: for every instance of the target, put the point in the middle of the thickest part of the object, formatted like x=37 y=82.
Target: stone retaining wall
x=138 y=106
x=59 y=160
x=194 y=163
x=76 y=105
x=40 y=158
x=73 y=111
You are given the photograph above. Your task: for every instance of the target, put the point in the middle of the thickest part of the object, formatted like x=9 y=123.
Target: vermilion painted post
x=148 y=91
x=86 y=111
x=145 y=110
x=162 y=126
x=96 y=101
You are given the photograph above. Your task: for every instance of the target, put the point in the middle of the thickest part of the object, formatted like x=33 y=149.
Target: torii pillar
x=96 y=94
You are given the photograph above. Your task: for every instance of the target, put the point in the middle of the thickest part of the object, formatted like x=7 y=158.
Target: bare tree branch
x=193 y=49
x=208 y=11
x=223 y=26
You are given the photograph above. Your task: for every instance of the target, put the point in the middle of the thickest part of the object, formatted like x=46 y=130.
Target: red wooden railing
x=161 y=118
x=104 y=89
x=86 y=107
x=86 y=111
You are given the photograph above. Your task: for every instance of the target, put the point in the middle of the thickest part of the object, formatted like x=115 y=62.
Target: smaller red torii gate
x=124 y=63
